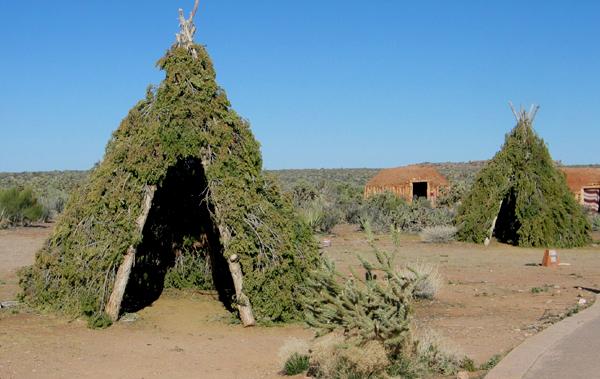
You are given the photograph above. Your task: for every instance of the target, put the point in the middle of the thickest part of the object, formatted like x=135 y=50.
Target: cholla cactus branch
x=370 y=309
x=185 y=38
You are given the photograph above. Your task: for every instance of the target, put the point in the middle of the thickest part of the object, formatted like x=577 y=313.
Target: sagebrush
x=386 y=210
x=438 y=234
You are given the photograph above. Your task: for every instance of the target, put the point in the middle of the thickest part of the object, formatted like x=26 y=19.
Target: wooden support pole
x=185 y=38
x=491 y=230
x=113 y=306
x=243 y=303
x=235 y=269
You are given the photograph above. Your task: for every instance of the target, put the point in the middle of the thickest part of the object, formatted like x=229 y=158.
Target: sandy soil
x=17 y=249
x=485 y=307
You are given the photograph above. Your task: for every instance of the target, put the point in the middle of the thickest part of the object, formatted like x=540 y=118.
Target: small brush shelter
x=408 y=182
x=521 y=197
x=180 y=187
x=584 y=183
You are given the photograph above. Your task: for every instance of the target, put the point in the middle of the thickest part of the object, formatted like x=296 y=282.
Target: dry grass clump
x=292 y=346
x=428 y=279
x=333 y=356
x=438 y=234
x=435 y=354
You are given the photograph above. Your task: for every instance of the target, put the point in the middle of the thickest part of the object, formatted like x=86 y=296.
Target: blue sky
x=336 y=83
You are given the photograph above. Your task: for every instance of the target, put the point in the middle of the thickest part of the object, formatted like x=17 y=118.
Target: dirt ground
x=485 y=307
x=179 y=336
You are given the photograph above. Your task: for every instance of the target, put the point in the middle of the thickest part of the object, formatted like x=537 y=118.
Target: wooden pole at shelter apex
x=185 y=38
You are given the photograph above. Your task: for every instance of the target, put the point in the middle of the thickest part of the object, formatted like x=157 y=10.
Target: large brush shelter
x=181 y=178
x=521 y=197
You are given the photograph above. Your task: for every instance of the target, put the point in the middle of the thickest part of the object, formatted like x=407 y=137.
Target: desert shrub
x=192 y=268
x=318 y=216
x=303 y=192
x=386 y=210
x=20 y=207
x=595 y=221
x=420 y=214
x=428 y=279
x=349 y=199
x=327 y=204
x=296 y=364
x=366 y=311
x=491 y=363
x=382 y=211
x=292 y=346
x=312 y=213
x=51 y=188
x=451 y=196
x=355 y=177
x=395 y=237
x=99 y=321
x=432 y=359
x=332 y=356
x=365 y=322
x=438 y=234
x=468 y=364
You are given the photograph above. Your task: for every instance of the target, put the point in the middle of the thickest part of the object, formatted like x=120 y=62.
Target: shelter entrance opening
x=180 y=245
x=507 y=224
x=419 y=190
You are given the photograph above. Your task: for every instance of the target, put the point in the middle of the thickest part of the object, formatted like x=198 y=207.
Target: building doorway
x=419 y=190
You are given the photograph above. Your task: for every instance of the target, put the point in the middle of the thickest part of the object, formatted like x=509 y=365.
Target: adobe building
x=584 y=182
x=408 y=182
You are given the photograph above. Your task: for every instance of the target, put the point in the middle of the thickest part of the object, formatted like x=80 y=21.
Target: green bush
x=468 y=364
x=451 y=196
x=318 y=216
x=191 y=269
x=326 y=204
x=296 y=364
x=51 y=188
x=595 y=221
x=491 y=363
x=382 y=211
x=99 y=321
x=19 y=206
x=385 y=211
